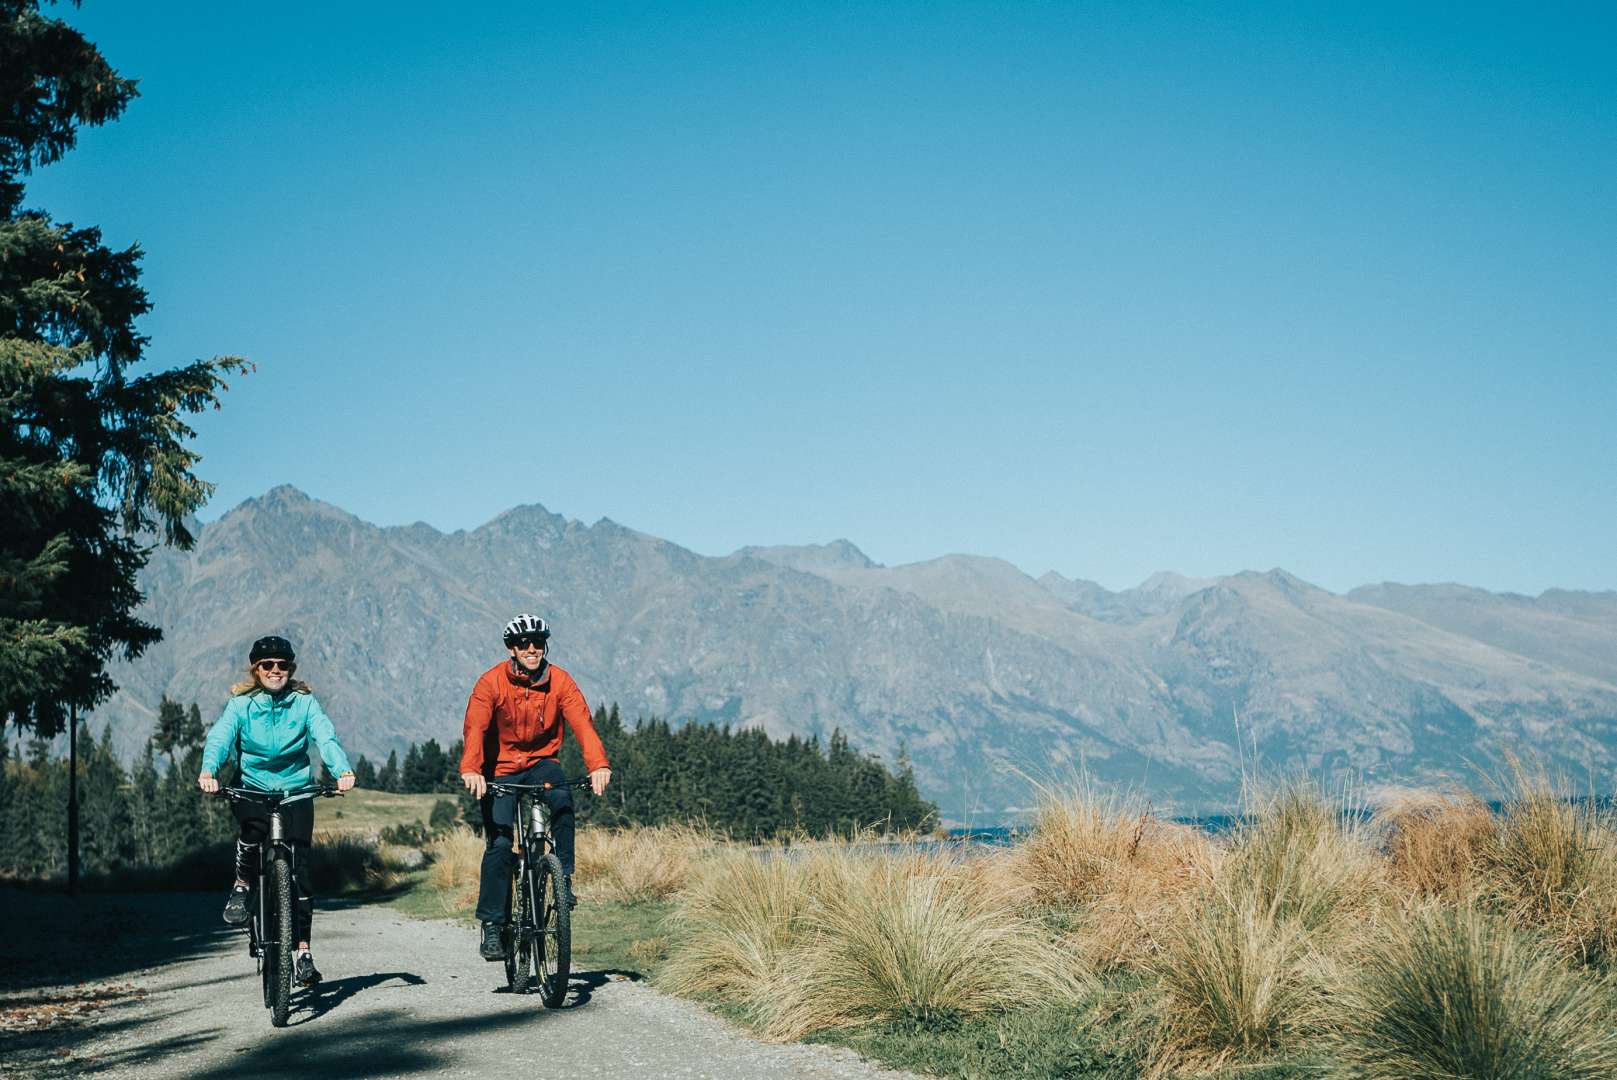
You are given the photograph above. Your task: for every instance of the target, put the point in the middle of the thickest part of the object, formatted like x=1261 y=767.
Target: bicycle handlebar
x=273 y=797
x=513 y=789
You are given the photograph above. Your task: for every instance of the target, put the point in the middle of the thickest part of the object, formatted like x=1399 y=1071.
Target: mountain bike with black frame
x=271 y=930
x=538 y=921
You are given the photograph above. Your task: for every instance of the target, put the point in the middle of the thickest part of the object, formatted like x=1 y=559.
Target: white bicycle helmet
x=526 y=626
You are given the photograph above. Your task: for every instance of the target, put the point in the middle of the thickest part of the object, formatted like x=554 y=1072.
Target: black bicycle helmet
x=526 y=626
x=272 y=647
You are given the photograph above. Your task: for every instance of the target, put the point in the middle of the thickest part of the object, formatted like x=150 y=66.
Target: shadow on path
x=584 y=983
x=101 y=937
x=328 y=995
x=392 y=1043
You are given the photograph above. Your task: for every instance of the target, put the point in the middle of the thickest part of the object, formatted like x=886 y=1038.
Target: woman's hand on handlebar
x=345 y=782
x=208 y=784
x=475 y=783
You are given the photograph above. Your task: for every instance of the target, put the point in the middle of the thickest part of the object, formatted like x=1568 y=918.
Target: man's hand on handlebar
x=345 y=782
x=475 y=783
x=599 y=779
x=208 y=783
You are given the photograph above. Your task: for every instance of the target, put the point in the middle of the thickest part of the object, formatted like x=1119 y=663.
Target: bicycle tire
x=519 y=933
x=255 y=947
x=280 y=951
x=553 y=942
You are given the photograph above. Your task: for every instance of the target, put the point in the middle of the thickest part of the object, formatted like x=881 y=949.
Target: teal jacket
x=271 y=737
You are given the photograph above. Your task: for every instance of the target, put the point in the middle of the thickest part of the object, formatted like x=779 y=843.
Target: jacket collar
x=517 y=677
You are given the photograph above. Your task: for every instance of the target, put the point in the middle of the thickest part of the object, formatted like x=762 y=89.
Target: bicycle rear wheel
x=278 y=961
x=553 y=942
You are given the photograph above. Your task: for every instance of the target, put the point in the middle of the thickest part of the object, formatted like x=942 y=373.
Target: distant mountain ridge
x=982 y=675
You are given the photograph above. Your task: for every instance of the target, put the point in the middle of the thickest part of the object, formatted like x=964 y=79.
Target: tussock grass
x=1233 y=982
x=1452 y=992
x=1239 y=966
x=631 y=865
x=735 y=920
x=1309 y=857
x=1112 y=864
x=350 y=862
x=1438 y=844
x=839 y=935
x=456 y=861
x=908 y=938
x=1553 y=866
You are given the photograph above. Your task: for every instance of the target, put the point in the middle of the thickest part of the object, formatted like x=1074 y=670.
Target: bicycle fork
x=259 y=942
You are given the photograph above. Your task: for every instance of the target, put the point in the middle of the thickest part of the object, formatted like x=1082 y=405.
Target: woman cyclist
x=268 y=723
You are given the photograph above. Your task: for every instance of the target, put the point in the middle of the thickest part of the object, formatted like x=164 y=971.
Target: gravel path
x=402 y=997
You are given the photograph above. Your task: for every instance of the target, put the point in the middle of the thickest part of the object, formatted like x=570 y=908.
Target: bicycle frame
x=276 y=840
x=266 y=939
x=538 y=933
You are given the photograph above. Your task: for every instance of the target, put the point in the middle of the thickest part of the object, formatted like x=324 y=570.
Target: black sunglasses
x=275 y=665
x=527 y=641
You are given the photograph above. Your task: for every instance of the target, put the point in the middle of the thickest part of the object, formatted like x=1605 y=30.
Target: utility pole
x=73 y=800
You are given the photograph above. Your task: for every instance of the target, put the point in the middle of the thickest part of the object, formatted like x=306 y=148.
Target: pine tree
x=7 y=785
x=93 y=460
x=364 y=773
x=108 y=825
x=177 y=729
x=429 y=769
x=410 y=777
x=150 y=846
x=388 y=778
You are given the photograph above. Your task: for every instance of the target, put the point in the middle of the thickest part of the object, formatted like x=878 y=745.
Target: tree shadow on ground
x=98 y=938
x=51 y=1052
x=391 y=1043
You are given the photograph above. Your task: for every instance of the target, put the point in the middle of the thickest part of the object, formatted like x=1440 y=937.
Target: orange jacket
x=512 y=721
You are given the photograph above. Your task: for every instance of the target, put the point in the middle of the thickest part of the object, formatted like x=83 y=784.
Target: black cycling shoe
x=236 y=906
x=304 y=973
x=493 y=943
x=567 y=891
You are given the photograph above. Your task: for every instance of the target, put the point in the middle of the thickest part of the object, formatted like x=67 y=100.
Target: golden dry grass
x=456 y=861
x=738 y=914
x=1552 y=866
x=835 y=935
x=630 y=865
x=342 y=862
x=1116 y=867
x=1239 y=967
x=1437 y=843
x=909 y=937
x=1237 y=951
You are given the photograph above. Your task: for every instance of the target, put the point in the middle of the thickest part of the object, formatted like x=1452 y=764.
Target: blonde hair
x=250 y=684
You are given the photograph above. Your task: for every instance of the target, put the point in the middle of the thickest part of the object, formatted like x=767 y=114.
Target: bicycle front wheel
x=278 y=958
x=553 y=943
x=519 y=932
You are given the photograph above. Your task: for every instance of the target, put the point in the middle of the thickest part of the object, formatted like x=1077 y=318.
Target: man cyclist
x=513 y=734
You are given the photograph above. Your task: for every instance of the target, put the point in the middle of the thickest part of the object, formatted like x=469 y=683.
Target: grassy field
x=365 y=811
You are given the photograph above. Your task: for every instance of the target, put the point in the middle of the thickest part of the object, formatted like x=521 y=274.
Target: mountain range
x=986 y=679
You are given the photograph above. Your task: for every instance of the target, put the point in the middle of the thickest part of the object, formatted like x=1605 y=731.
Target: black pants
x=297 y=819
x=498 y=813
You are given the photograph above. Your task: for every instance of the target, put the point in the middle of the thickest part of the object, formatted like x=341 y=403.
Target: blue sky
x=1098 y=288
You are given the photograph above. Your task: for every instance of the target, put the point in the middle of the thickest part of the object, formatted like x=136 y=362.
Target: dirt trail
x=176 y=996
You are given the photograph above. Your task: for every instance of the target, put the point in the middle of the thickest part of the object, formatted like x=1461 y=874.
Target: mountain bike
x=538 y=922
x=271 y=930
